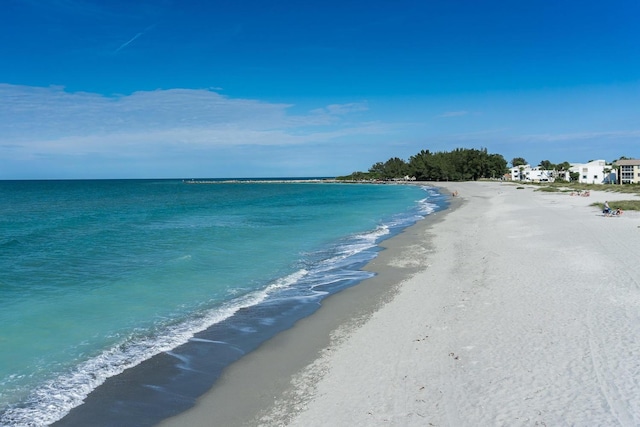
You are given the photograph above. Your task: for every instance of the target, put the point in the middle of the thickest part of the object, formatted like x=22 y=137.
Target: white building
x=536 y=174
x=517 y=172
x=594 y=172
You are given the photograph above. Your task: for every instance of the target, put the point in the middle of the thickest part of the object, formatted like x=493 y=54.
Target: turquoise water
x=98 y=276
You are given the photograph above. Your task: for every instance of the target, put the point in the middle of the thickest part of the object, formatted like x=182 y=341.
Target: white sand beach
x=517 y=308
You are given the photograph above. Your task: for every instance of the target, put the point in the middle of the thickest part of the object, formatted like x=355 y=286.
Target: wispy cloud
x=48 y=132
x=452 y=114
x=342 y=109
x=53 y=120
x=581 y=136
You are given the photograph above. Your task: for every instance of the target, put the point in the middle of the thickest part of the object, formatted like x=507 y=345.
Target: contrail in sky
x=127 y=43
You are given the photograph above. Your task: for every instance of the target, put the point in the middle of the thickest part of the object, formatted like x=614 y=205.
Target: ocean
x=125 y=299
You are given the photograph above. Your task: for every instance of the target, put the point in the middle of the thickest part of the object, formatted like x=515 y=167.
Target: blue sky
x=235 y=88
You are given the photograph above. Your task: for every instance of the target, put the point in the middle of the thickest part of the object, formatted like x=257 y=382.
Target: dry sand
x=517 y=308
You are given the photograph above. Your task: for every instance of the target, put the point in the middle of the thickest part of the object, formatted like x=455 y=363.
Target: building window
x=584 y=176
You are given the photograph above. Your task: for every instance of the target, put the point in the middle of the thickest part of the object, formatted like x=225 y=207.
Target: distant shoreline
x=257 y=181
x=297 y=181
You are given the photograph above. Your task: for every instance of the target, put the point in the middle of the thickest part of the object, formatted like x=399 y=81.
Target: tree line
x=461 y=164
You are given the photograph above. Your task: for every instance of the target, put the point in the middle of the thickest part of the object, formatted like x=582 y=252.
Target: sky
x=95 y=89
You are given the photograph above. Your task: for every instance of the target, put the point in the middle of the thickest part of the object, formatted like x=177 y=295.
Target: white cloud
x=52 y=123
x=52 y=112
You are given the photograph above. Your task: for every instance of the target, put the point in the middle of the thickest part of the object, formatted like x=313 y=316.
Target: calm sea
x=98 y=278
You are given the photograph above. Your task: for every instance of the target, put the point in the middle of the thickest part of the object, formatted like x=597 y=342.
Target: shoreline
x=172 y=379
x=248 y=389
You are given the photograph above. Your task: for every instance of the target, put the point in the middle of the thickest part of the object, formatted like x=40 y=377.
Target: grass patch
x=549 y=189
x=562 y=186
x=625 y=205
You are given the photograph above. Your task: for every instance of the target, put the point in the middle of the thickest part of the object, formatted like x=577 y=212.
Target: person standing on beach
x=607 y=209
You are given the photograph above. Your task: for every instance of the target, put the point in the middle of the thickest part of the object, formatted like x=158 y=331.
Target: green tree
x=607 y=175
x=392 y=168
x=459 y=164
x=419 y=165
x=497 y=165
x=377 y=170
x=547 y=165
x=562 y=168
x=395 y=168
x=518 y=161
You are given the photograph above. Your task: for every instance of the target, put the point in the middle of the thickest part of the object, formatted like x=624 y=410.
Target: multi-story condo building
x=629 y=171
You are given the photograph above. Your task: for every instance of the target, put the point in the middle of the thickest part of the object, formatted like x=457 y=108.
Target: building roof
x=628 y=162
